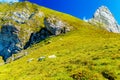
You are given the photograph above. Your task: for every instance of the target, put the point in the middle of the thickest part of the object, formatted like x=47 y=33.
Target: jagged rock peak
x=103 y=11
x=104 y=17
x=103 y=8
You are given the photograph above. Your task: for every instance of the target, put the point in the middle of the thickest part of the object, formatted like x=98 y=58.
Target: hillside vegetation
x=85 y=53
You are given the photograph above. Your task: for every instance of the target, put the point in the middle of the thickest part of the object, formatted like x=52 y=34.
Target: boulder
x=52 y=56
x=41 y=58
x=55 y=25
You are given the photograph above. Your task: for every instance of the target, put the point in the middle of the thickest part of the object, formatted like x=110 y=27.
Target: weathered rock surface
x=9 y=41
x=37 y=37
x=104 y=18
x=55 y=26
x=22 y=27
x=20 y=17
x=11 y=44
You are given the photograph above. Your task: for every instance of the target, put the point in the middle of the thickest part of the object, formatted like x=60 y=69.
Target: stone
x=40 y=14
x=49 y=42
x=25 y=53
x=55 y=25
x=20 y=25
x=21 y=16
x=41 y=58
x=52 y=56
x=29 y=60
x=37 y=37
x=105 y=19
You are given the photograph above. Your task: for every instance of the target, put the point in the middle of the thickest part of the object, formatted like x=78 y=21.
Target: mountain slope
x=25 y=22
x=84 y=53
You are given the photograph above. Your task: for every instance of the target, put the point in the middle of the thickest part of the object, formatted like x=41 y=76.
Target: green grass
x=35 y=23
x=82 y=54
x=85 y=53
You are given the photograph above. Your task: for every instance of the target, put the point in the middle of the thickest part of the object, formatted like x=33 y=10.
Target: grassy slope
x=36 y=22
x=85 y=52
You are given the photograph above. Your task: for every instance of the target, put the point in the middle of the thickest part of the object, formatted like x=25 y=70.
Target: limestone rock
x=104 y=18
x=55 y=25
x=37 y=37
x=9 y=41
x=20 y=17
x=24 y=24
x=52 y=56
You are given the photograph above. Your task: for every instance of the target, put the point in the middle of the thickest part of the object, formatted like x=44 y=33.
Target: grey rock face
x=104 y=17
x=25 y=15
x=37 y=37
x=11 y=44
x=55 y=26
x=20 y=17
x=9 y=41
x=27 y=29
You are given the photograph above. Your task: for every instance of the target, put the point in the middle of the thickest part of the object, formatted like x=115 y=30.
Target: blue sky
x=9 y=0
x=81 y=8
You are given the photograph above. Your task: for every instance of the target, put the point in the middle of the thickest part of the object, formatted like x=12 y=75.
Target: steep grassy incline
x=83 y=54
x=29 y=18
x=23 y=24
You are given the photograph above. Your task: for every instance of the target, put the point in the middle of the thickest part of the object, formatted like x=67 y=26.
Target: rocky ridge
x=105 y=19
x=22 y=27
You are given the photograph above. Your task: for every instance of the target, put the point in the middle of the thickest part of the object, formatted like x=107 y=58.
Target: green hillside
x=84 y=53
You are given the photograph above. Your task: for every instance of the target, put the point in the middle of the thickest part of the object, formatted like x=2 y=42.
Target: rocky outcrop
x=37 y=37
x=104 y=18
x=56 y=26
x=20 y=17
x=53 y=26
x=11 y=44
x=9 y=41
x=24 y=24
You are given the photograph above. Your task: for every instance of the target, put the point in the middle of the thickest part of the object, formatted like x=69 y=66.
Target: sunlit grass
x=80 y=55
x=85 y=53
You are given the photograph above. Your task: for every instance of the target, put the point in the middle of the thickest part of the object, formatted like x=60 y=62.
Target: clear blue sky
x=81 y=8
x=9 y=0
